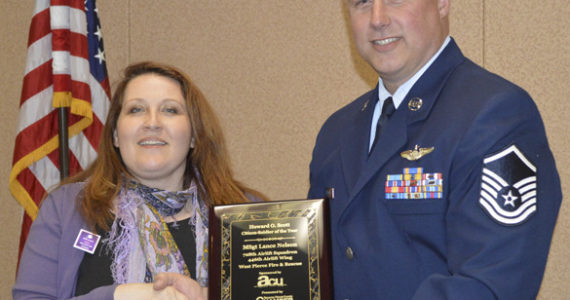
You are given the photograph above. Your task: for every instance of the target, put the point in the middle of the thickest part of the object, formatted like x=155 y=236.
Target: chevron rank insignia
x=508 y=187
x=414 y=184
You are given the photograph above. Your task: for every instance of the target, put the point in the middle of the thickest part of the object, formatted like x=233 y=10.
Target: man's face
x=397 y=37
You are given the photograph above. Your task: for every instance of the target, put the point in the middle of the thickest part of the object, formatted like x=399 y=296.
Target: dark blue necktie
x=387 y=111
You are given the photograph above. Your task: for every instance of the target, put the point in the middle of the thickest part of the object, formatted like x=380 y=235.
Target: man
x=455 y=195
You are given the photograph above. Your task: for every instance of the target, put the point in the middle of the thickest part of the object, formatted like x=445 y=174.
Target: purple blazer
x=49 y=264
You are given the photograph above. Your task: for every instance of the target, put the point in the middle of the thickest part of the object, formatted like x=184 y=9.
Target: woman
x=162 y=161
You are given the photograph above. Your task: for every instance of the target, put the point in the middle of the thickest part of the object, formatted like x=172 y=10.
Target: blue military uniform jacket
x=472 y=219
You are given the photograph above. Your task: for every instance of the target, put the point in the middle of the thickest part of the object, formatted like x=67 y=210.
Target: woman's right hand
x=145 y=291
x=184 y=284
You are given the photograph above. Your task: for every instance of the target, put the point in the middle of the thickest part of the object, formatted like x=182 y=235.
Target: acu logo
x=266 y=281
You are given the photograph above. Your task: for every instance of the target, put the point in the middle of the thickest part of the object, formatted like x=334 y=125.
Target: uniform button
x=349 y=253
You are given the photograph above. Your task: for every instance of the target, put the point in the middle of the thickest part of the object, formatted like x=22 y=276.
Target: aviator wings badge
x=417 y=153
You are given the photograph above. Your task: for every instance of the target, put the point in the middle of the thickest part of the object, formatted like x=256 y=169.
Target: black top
x=95 y=269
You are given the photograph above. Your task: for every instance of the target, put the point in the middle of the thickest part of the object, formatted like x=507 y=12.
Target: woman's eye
x=171 y=110
x=134 y=110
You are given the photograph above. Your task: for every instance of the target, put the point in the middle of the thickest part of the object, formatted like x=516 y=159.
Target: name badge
x=86 y=241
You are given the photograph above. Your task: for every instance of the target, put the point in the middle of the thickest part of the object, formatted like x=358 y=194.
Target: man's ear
x=443 y=7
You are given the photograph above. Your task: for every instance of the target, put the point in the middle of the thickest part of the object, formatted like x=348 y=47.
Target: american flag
x=65 y=67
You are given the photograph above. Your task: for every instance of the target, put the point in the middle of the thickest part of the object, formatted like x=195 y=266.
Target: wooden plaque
x=277 y=250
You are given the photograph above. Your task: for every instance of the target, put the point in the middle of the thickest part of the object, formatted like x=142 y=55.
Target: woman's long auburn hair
x=209 y=156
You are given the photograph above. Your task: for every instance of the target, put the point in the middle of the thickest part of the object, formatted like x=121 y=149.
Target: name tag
x=86 y=241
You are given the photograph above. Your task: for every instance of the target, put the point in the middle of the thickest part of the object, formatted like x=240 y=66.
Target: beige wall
x=274 y=70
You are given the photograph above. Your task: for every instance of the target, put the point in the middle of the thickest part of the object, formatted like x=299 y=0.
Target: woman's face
x=153 y=131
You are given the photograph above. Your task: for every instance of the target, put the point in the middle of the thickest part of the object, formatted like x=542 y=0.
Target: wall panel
x=466 y=27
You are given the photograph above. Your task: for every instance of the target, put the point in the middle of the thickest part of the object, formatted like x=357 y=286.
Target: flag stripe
x=73 y=3
x=40 y=26
x=34 y=108
x=78 y=43
x=39 y=53
x=80 y=90
x=93 y=133
x=46 y=171
x=75 y=43
x=37 y=80
x=41 y=5
x=35 y=135
x=82 y=150
x=100 y=108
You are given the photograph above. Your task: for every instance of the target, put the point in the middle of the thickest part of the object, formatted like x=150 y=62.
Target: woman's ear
x=115 y=139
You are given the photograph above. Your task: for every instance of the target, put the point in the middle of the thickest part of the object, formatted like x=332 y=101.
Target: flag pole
x=63 y=143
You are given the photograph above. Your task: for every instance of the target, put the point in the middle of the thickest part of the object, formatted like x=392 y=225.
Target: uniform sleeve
x=41 y=263
x=504 y=195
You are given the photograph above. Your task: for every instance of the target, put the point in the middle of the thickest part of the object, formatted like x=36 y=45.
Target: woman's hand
x=183 y=284
x=145 y=291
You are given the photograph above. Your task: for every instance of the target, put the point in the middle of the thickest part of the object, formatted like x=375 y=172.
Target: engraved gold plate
x=417 y=153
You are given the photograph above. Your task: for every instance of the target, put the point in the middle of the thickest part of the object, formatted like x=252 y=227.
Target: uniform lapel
x=393 y=138
x=354 y=148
